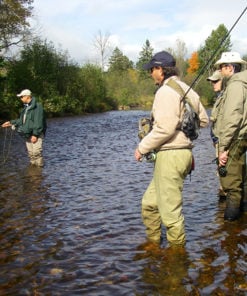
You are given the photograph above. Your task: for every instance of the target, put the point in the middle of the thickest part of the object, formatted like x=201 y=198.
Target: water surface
x=74 y=227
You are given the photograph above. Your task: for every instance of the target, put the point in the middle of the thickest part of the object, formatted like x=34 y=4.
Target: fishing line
x=214 y=53
x=6 y=146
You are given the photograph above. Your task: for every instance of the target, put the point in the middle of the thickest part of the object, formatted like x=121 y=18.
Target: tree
x=91 y=89
x=211 y=46
x=145 y=56
x=14 y=23
x=193 y=63
x=41 y=68
x=61 y=85
x=118 y=62
x=179 y=52
x=102 y=44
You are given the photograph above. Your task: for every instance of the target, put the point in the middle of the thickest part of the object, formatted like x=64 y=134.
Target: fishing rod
x=214 y=53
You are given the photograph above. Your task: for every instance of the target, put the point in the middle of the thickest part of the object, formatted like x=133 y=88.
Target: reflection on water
x=74 y=227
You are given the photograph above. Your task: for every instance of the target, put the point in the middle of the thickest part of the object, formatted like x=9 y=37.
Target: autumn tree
x=14 y=24
x=193 y=63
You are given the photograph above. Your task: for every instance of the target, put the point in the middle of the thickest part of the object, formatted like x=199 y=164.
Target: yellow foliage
x=193 y=63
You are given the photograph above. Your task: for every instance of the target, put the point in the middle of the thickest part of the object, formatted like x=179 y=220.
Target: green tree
x=211 y=45
x=145 y=56
x=92 y=89
x=41 y=68
x=122 y=88
x=14 y=25
x=44 y=70
x=118 y=62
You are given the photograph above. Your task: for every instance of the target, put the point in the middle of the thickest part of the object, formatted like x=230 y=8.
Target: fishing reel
x=221 y=169
x=150 y=157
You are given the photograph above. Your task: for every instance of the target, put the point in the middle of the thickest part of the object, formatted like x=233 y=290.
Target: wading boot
x=231 y=214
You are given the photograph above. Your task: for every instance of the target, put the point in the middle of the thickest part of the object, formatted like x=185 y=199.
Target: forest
x=66 y=88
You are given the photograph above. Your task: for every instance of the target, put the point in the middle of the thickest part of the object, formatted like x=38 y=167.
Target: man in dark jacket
x=31 y=125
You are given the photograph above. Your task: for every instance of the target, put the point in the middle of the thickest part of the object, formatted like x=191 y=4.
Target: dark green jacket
x=35 y=122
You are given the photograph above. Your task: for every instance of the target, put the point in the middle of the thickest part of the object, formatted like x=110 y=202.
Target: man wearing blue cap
x=162 y=201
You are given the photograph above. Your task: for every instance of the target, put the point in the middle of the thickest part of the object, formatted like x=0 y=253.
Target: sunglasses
x=223 y=66
x=152 y=69
x=215 y=81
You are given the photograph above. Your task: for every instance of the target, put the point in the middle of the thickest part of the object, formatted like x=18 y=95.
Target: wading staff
x=214 y=53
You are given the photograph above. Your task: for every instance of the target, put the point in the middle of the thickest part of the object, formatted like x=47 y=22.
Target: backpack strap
x=174 y=85
x=190 y=122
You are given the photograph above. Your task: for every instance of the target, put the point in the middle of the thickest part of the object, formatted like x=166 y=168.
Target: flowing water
x=74 y=227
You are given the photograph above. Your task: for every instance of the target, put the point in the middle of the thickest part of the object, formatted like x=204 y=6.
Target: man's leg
x=233 y=181
x=150 y=214
x=35 y=152
x=172 y=166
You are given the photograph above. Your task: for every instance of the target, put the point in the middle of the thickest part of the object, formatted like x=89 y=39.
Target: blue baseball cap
x=161 y=59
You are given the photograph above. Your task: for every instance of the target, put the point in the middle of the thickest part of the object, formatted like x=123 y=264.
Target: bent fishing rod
x=213 y=54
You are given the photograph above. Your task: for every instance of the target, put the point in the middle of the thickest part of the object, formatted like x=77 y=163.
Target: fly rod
x=214 y=53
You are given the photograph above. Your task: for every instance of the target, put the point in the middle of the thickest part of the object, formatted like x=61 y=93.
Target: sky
x=73 y=25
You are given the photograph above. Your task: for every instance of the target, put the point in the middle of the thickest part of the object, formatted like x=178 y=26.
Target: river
x=74 y=227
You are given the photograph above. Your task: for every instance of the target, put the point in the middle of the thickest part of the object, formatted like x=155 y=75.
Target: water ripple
x=74 y=227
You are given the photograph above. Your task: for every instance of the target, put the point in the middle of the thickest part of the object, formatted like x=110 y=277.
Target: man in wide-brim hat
x=232 y=121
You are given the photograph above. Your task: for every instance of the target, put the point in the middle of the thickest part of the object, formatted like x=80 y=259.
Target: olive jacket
x=32 y=121
x=167 y=113
x=232 y=117
x=214 y=116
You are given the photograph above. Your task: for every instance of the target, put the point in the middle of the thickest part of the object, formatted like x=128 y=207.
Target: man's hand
x=223 y=157
x=34 y=139
x=6 y=124
x=138 y=155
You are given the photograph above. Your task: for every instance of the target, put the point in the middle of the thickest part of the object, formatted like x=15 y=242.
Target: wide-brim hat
x=230 y=58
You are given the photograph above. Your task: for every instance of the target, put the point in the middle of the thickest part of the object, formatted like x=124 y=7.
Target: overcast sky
x=72 y=25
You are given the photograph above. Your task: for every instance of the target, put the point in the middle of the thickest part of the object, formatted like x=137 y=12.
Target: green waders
x=162 y=201
x=234 y=183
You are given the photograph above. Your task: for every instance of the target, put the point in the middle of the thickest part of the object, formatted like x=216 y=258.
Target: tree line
x=64 y=87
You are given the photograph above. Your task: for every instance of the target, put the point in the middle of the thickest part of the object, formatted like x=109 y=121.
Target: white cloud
x=74 y=24
x=147 y=21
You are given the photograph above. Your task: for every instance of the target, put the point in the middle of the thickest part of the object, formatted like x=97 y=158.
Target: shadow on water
x=74 y=227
